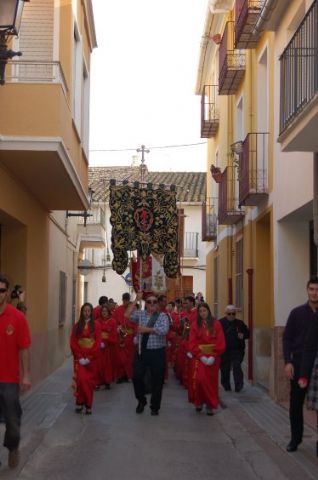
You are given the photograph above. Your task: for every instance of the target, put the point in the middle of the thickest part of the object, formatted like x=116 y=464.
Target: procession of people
x=122 y=343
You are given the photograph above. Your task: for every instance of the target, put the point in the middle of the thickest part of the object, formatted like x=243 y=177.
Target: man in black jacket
x=294 y=337
x=235 y=332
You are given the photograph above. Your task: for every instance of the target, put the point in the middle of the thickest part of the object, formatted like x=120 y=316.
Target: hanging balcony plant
x=216 y=173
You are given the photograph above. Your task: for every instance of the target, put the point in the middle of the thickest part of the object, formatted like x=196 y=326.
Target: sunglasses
x=151 y=302
x=230 y=313
x=3 y=290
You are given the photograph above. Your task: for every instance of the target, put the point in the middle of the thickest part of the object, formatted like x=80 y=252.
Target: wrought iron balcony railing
x=229 y=211
x=232 y=63
x=31 y=71
x=191 y=245
x=209 y=219
x=299 y=69
x=253 y=167
x=209 y=111
x=247 y=12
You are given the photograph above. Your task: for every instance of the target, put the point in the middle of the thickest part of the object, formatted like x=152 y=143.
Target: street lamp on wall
x=10 y=21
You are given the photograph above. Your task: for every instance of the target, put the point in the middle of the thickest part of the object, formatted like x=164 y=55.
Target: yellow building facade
x=259 y=209
x=44 y=168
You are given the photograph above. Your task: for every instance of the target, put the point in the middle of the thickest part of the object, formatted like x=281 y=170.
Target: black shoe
x=198 y=409
x=141 y=406
x=238 y=389
x=79 y=408
x=317 y=449
x=154 y=412
x=292 y=446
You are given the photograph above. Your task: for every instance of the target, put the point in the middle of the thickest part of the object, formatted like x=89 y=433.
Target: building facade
x=44 y=168
x=257 y=78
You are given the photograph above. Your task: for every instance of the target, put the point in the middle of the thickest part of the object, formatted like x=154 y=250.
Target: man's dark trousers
x=155 y=360
x=232 y=358
x=12 y=412
x=296 y=403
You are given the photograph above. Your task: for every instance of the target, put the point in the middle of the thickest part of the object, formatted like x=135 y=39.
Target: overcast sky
x=143 y=80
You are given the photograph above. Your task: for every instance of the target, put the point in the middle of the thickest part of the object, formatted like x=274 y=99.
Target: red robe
x=182 y=361
x=107 y=360
x=173 y=337
x=96 y=312
x=204 y=379
x=87 y=345
x=125 y=347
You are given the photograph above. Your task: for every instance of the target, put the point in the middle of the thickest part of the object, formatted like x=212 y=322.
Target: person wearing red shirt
x=14 y=351
x=106 y=360
x=125 y=348
x=188 y=318
x=206 y=344
x=85 y=344
x=97 y=310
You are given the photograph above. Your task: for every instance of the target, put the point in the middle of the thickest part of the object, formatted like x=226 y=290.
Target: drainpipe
x=250 y=272
x=266 y=12
x=315 y=199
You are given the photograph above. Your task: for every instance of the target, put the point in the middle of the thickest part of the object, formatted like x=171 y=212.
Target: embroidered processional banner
x=146 y=220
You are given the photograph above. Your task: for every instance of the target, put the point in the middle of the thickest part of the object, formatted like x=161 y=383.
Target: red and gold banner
x=146 y=220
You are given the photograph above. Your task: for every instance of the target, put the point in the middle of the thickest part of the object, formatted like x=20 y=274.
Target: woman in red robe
x=125 y=348
x=207 y=344
x=106 y=360
x=85 y=345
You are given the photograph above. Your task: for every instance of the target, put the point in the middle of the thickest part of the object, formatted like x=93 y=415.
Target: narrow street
x=245 y=439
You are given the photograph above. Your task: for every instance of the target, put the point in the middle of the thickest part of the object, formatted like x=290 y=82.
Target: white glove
x=82 y=361
x=210 y=361
x=168 y=344
x=135 y=340
x=204 y=360
x=102 y=345
x=189 y=355
x=87 y=361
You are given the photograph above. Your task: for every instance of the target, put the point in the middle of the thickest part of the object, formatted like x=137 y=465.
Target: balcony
x=253 y=161
x=299 y=87
x=232 y=63
x=209 y=112
x=191 y=243
x=229 y=212
x=209 y=220
x=39 y=143
x=93 y=235
x=247 y=12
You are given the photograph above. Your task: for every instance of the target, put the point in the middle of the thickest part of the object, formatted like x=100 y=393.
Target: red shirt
x=96 y=312
x=14 y=336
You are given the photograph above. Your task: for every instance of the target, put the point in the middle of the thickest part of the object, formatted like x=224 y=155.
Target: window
x=239 y=275
x=62 y=299
x=77 y=80
x=85 y=110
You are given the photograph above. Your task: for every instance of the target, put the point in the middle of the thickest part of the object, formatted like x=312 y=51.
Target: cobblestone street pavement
x=245 y=439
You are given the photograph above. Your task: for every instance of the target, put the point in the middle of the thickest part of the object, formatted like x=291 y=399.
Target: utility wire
x=150 y=148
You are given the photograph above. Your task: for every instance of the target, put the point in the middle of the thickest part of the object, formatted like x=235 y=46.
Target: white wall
x=293 y=189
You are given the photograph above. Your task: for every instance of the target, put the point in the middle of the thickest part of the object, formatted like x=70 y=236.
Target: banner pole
x=140 y=289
